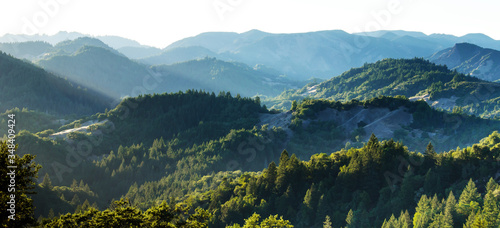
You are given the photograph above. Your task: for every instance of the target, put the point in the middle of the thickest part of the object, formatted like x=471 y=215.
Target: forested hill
x=408 y=77
x=200 y=114
x=24 y=85
x=182 y=120
x=364 y=187
x=176 y=137
x=368 y=187
x=199 y=149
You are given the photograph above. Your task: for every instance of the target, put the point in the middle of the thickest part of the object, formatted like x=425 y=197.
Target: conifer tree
x=469 y=199
x=46 y=183
x=327 y=223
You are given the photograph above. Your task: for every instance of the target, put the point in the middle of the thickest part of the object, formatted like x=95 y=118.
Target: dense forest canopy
x=394 y=188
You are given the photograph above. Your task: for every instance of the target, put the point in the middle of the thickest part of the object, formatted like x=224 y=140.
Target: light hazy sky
x=161 y=22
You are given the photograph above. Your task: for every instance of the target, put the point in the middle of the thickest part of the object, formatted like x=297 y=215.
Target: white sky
x=161 y=22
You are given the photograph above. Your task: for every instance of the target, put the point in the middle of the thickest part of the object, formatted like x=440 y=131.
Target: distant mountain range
x=322 y=54
x=90 y=62
x=299 y=56
x=471 y=59
x=113 y=41
x=97 y=67
x=259 y=63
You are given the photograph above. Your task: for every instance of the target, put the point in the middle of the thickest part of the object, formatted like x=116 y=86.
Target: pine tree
x=449 y=209
x=309 y=204
x=270 y=176
x=282 y=172
x=372 y=144
x=74 y=185
x=469 y=199
x=25 y=174
x=51 y=214
x=327 y=223
x=46 y=183
x=75 y=200
x=439 y=221
x=350 y=219
x=294 y=105
x=491 y=185
x=429 y=151
x=470 y=220
x=490 y=210
x=391 y=223
x=404 y=220
x=423 y=213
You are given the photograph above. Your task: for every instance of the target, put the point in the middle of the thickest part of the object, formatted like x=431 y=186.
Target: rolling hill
x=413 y=78
x=180 y=54
x=24 y=85
x=211 y=74
x=198 y=147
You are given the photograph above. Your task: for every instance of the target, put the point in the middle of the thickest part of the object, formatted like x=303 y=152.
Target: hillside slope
x=470 y=59
x=118 y=76
x=98 y=68
x=417 y=78
x=211 y=74
x=25 y=85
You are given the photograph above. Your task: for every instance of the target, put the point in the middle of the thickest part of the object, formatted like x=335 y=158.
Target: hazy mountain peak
x=82 y=40
x=117 y=42
x=477 y=36
x=254 y=32
x=466 y=48
x=72 y=46
x=382 y=33
x=52 y=39
x=470 y=59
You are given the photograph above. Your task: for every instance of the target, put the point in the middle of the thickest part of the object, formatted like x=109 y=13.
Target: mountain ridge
x=43 y=91
x=407 y=77
x=470 y=59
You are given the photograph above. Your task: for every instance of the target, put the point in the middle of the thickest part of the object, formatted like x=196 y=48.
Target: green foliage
x=324 y=185
x=299 y=192
x=317 y=127
x=194 y=114
x=469 y=200
x=122 y=214
x=186 y=153
x=271 y=221
x=206 y=157
x=30 y=120
x=16 y=192
x=403 y=77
